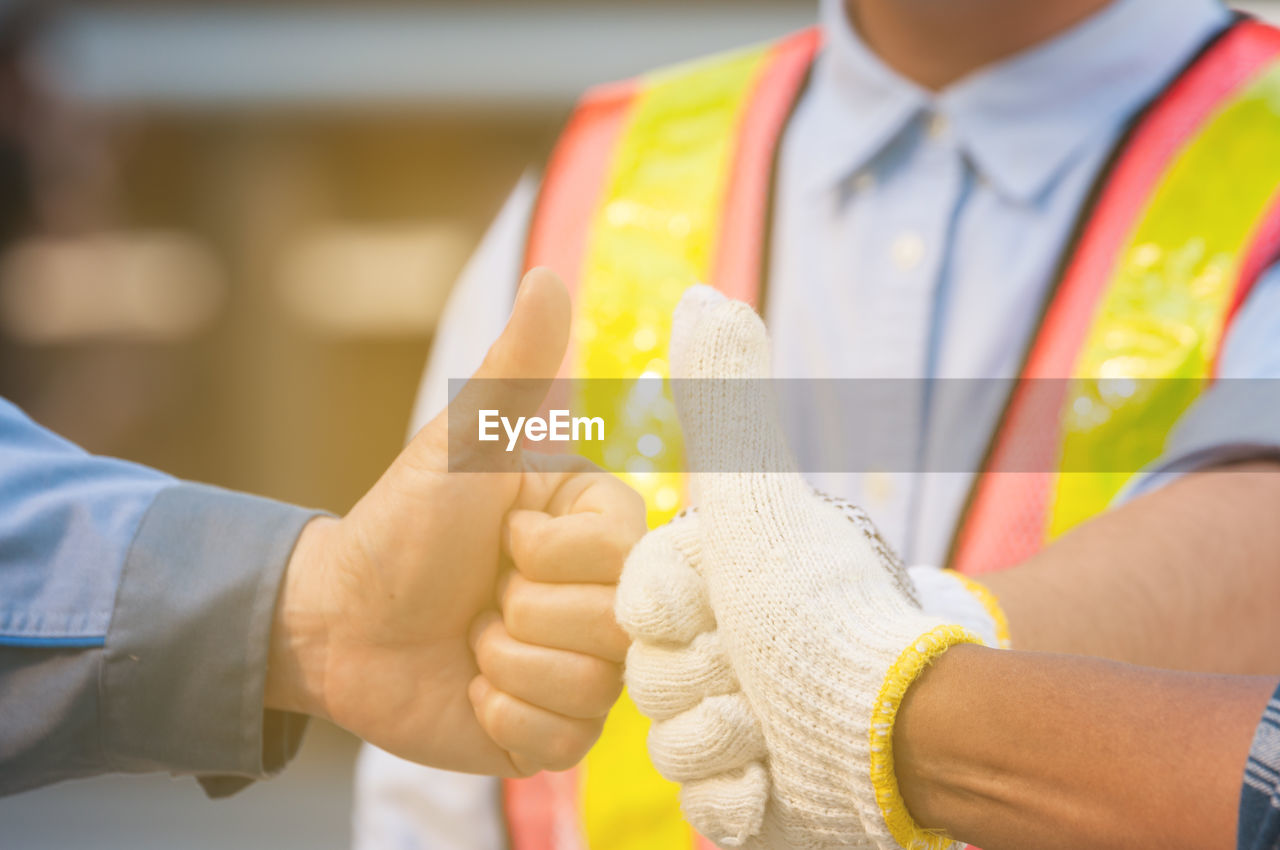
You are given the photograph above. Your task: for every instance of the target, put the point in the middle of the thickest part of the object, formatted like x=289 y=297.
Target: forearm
x=175 y=682
x=1038 y=752
x=1182 y=578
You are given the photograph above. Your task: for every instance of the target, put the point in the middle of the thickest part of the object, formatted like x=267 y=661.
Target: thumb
x=514 y=377
x=720 y=363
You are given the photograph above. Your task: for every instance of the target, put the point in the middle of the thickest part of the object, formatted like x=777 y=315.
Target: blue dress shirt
x=135 y=616
x=1259 y=822
x=917 y=233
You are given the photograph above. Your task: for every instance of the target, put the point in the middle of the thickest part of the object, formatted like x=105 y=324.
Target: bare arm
x=1037 y=752
x=1186 y=577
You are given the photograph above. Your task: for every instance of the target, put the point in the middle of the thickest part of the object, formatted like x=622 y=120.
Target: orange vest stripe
x=542 y=812
x=739 y=252
x=574 y=180
x=1008 y=517
x=1264 y=251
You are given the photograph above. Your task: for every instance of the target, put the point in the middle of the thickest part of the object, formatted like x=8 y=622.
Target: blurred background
x=226 y=233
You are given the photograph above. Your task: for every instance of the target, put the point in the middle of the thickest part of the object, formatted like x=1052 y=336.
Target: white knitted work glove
x=775 y=634
x=961 y=600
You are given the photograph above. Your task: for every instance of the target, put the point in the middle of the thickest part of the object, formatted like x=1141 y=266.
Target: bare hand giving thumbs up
x=404 y=621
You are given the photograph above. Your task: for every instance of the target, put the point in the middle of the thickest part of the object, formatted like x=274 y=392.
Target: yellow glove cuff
x=910 y=664
x=991 y=605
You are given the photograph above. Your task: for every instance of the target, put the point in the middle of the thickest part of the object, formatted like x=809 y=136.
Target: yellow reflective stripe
x=625 y=804
x=1163 y=313
x=653 y=237
x=922 y=652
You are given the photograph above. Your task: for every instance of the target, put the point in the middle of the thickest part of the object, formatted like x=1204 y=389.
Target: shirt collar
x=1020 y=121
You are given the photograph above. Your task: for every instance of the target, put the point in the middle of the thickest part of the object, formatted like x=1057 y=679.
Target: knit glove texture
x=961 y=600
x=774 y=631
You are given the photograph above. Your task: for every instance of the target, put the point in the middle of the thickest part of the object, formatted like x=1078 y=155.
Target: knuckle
x=492 y=649
x=524 y=767
x=616 y=637
x=637 y=664
x=629 y=608
x=637 y=501
x=603 y=604
x=586 y=673
x=531 y=561
x=506 y=722
x=564 y=755
x=519 y=610
x=655 y=694
x=484 y=655
x=667 y=757
x=567 y=746
x=615 y=545
x=662 y=601
x=610 y=636
x=495 y=717
x=644 y=664
x=602 y=691
x=720 y=734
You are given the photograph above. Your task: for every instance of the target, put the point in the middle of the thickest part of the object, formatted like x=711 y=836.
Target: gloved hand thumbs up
x=815 y=622
x=720 y=360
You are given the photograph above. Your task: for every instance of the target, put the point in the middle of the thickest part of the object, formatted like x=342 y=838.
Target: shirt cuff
x=186 y=654
x=1236 y=420
x=1259 y=822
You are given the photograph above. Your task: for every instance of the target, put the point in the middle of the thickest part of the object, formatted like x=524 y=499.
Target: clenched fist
x=463 y=619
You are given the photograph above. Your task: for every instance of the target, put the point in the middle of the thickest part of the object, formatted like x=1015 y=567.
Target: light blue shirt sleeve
x=135 y=616
x=1238 y=416
x=66 y=522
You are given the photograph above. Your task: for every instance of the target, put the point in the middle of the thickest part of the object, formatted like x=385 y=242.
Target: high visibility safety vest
x=665 y=181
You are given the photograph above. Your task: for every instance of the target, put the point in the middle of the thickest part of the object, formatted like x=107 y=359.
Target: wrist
x=937 y=718
x=298 y=655
x=901 y=680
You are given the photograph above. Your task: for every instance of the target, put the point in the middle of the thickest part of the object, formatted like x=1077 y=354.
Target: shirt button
x=879 y=488
x=938 y=126
x=908 y=251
